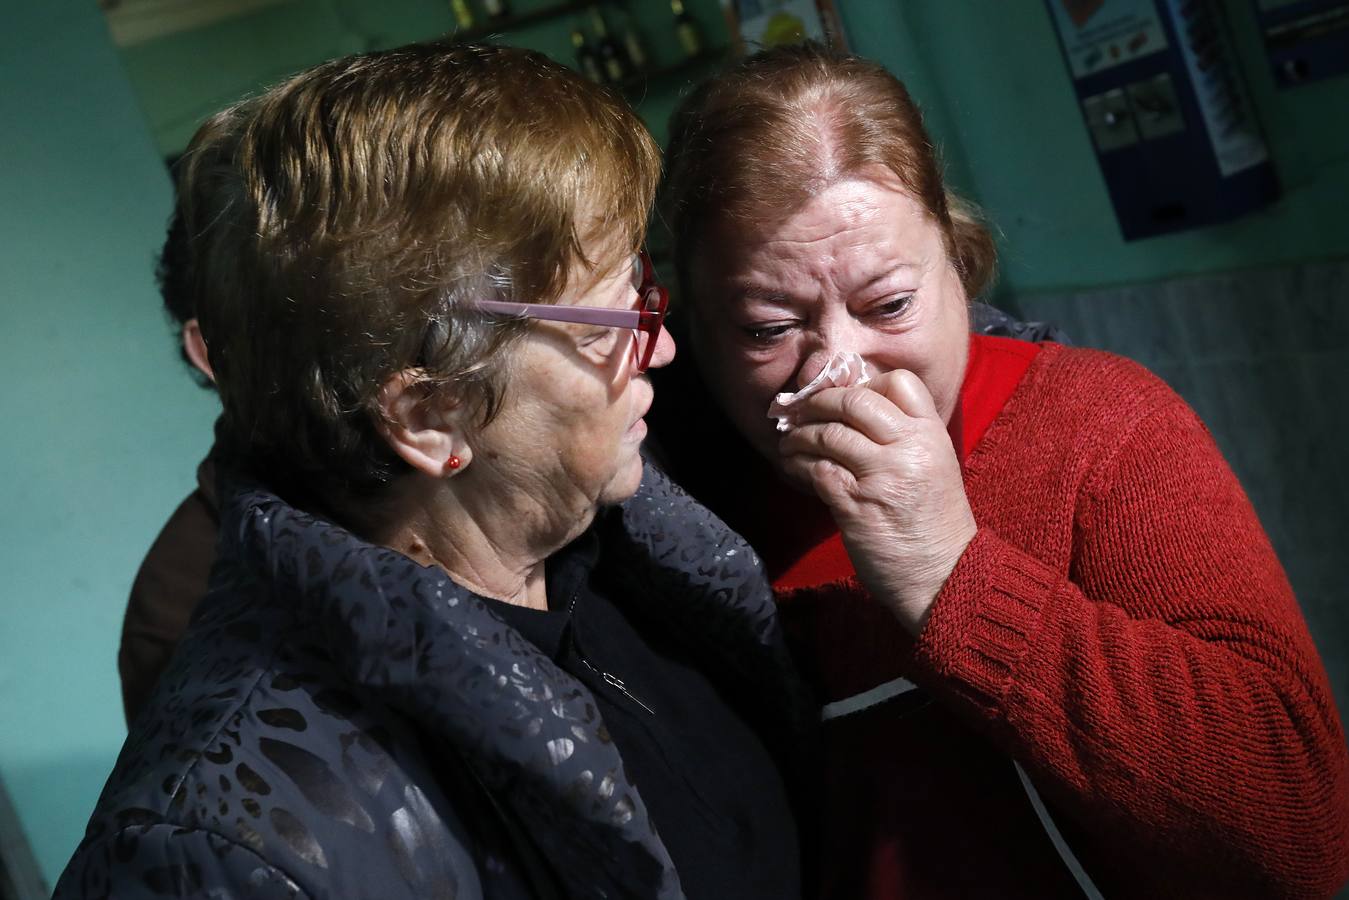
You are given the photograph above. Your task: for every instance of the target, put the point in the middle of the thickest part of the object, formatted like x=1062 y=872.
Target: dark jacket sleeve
x=166 y=860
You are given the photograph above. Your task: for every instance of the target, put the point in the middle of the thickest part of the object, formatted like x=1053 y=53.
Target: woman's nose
x=664 y=353
x=813 y=365
x=824 y=345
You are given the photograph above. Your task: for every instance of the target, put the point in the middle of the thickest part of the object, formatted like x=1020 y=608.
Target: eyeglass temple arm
x=582 y=315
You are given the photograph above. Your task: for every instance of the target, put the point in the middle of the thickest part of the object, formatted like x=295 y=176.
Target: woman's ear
x=423 y=426
x=194 y=345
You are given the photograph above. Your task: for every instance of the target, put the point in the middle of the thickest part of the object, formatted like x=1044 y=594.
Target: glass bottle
x=586 y=57
x=463 y=15
x=612 y=60
x=690 y=38
x=633 y=47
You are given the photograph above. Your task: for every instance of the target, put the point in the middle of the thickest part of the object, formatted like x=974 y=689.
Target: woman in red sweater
x=1056 y=653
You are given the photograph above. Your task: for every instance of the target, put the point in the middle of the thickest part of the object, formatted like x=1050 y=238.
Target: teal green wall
x=1000 y=102
x=102 y=428
x=182 y=79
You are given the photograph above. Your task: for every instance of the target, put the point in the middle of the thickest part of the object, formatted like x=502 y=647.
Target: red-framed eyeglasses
x=645 y=319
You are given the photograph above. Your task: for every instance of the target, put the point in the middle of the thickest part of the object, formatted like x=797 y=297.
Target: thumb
x=906 y=391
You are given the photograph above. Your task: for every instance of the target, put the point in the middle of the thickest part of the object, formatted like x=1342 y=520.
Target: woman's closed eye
x=766 y=333
x=601 y=339
x=893 y=308
x=761 y=334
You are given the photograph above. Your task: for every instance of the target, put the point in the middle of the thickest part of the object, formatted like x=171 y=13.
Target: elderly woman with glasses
x=459 y=641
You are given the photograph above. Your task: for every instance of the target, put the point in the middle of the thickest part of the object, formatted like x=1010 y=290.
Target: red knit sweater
x=1119 y=625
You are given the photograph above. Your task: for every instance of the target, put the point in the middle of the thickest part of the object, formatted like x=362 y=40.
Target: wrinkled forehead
x=849 y=229
x=750 y=216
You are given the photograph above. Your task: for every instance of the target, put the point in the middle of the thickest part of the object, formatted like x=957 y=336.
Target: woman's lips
x=637 y=430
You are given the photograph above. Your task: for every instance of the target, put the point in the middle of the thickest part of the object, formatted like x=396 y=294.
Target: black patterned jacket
x=279 y=756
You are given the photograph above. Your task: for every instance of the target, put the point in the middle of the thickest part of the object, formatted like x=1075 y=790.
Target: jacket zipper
x=612 y=680
x=608 y=678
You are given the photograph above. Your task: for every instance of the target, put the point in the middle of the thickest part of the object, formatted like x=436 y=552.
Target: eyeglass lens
x=638 y=272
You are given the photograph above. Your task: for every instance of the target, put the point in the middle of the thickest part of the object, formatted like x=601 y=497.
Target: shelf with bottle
x=607 y=40
x=618 y=56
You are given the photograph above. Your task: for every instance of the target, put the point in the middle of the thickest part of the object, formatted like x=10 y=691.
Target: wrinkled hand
x=881 y=460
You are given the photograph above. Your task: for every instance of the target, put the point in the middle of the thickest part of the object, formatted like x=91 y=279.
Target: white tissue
x=844 y=369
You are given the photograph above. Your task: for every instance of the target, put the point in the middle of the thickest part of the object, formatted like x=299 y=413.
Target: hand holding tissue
x=882 y=461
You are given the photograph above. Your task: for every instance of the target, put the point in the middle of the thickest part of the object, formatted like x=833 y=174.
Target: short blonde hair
x=342 y=225
x=777 y=128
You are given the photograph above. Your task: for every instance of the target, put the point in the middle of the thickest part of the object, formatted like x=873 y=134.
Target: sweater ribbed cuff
x=983 y=621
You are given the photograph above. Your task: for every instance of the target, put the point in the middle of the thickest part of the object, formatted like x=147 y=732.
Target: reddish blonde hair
x=759 y=140
x=342 y=225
